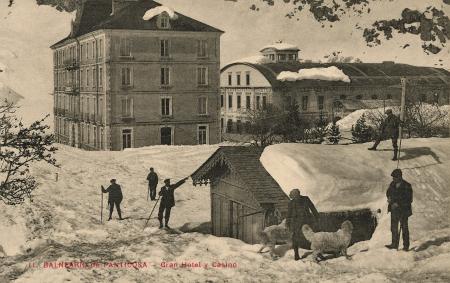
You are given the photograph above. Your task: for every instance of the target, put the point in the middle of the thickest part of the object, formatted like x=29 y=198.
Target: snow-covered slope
x=62 y=222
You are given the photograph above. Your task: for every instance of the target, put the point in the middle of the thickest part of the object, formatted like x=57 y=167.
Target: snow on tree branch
x=21 y=146
x=432 y=25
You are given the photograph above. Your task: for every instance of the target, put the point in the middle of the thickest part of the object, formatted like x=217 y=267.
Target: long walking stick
x=148 y=219
x=402 y=118
x=101 y=209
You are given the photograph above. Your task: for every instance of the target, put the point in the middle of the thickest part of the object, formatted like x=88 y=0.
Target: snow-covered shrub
x=317 y=132
x=427 y=120
x=361 y=132
x=334 y=134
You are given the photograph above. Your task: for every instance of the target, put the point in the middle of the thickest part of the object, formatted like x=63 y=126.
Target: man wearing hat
x=389 y=128
x=400 y=197
x=167 y=200
x=152 y=179
x=301 y=211
x=114 y=197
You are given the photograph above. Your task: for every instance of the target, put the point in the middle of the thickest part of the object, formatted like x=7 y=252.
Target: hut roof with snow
x=243 y=163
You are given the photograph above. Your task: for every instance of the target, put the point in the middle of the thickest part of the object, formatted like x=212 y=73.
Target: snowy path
x=62 y=224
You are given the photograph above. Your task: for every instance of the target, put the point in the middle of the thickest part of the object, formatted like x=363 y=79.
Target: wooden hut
x=245 y=198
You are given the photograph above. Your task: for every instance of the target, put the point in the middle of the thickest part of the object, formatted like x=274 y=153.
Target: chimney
x=118 y=5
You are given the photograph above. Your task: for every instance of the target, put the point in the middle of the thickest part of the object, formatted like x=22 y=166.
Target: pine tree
x=361 y=133
x=334 y=134
x=291 y=125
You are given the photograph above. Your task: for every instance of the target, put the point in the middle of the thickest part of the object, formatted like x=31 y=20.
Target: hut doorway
x=235 y=223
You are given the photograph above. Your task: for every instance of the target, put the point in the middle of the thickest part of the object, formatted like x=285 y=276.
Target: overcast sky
x=246 y=31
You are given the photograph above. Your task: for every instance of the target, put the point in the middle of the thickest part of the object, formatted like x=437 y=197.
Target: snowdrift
x=348 y=177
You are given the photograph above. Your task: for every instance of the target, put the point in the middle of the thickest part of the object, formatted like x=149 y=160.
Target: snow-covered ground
x=62 y=223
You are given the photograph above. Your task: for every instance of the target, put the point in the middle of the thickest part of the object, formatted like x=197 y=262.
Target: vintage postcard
x=224 y=141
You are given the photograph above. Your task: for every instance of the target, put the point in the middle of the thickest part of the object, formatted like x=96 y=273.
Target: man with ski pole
x=114 y=198
x=167 y=200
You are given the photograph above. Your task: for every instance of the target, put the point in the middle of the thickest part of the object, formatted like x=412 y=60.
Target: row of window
x=238 y=78
x=95 y=49
x=88 y=50
x=89 y=134
x=261 y=101
x=88 y=77
x=88 y=105
x=238 y=126
x=282 y=57
x=165 y=76
x=165 y=48
x=166 y=110
x=167 y=134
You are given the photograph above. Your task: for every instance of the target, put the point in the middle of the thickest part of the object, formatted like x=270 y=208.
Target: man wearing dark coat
x=301 y=211
x=167 y=200
x=114 y=198
x=152 y=179
x=400 y=197
x=389 y=129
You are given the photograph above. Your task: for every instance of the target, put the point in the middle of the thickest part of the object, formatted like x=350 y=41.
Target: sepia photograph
x=224 y=141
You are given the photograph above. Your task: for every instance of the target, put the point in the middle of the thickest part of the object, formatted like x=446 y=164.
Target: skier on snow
x=152 y=179
x=114 y=198
x=389 y=128
x=167 y=200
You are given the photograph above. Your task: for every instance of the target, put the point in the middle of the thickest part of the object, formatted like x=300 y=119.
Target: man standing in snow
x=152 y=179
x=301 y=211
x=167 y=200
x=400 y=197
x=114 y=198
x=389 y=128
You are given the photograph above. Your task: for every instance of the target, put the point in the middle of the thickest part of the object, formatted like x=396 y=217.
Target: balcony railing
x=71 y=64
x=71 y=90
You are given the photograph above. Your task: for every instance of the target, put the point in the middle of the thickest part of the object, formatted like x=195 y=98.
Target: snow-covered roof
x=281 y=46
x=360 y=74
x=331 y=73
x=243 y=161
x=151 y=13
x=257 y=59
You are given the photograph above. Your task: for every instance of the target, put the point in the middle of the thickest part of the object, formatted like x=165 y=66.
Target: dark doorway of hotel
x=126 y=138
x=166 y=135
